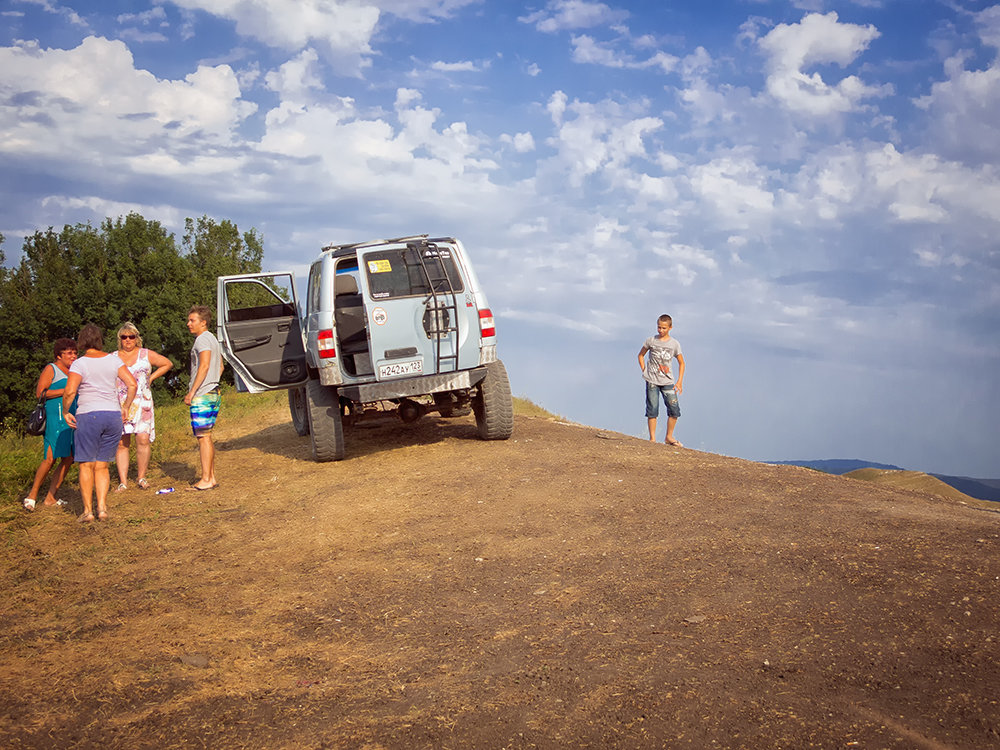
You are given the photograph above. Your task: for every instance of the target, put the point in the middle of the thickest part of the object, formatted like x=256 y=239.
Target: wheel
x=324 y=421
x=299 y=409
x=493 y=404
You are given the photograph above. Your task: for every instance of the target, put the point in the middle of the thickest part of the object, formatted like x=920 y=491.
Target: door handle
x=241 y=344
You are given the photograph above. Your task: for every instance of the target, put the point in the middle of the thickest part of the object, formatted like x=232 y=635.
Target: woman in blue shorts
x=99 y=416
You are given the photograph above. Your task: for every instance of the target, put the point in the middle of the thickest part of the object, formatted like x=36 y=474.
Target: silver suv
x=386 y=326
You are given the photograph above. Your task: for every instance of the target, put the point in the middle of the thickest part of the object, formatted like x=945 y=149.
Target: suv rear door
x=260 y=332
x=421 y=316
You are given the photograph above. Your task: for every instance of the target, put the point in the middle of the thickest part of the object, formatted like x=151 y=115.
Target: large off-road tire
x=493 y=404
x=300 y=410
x=325 y=422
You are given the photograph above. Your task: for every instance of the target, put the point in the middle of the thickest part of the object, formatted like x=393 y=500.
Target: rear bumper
x=408 y=387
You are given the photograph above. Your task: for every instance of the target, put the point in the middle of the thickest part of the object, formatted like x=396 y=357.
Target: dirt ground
x=566 y=588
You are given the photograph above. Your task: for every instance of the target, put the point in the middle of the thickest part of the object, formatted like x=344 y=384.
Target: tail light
x=487 y=327
x=324 y=340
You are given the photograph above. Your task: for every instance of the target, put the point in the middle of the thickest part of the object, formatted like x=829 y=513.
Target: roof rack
x=370 y=243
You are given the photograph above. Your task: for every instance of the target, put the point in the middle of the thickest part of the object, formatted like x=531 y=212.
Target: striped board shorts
x=204 y=410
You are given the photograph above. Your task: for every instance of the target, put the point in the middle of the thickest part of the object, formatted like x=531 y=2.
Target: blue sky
x=809 y=188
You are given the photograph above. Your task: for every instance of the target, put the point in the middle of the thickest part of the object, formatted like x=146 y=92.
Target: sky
x=810 y=189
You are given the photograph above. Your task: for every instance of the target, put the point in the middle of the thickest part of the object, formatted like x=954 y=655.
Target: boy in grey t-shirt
x=660 y=380
x=203 y=394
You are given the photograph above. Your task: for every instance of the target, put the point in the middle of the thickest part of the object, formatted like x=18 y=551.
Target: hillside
x=980 y=489
x=916 y=480
x=568 y=587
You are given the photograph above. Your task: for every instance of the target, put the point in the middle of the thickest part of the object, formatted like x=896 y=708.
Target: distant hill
x=838 y=465
x=981 y=489
x=910 y=480
x=984 y=489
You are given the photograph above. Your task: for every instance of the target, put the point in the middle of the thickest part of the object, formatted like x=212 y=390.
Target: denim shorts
x=97 y=436
x=653 y=392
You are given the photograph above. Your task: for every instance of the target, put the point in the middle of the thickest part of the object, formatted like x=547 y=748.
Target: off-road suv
x=386 y=326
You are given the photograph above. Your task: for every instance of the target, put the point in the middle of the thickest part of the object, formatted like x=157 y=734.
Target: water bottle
x=165 y=490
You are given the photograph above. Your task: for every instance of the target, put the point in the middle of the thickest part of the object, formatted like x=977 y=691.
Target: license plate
x=398 y=369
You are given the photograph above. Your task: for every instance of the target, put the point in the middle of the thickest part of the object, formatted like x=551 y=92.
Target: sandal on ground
x=142 y=484
x=102 y=515
x=122 y=487
x=62 y=503
x=28 y=503
x=85 y=518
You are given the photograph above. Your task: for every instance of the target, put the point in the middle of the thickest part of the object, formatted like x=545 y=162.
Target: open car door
x=260 y=332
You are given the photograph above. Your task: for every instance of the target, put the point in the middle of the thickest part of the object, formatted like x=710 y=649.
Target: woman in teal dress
x=58 y=440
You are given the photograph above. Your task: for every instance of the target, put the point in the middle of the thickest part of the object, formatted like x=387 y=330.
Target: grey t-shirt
x=206 y=342
x=661 y=352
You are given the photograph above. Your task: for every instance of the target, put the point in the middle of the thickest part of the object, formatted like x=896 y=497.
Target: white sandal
x=28 y=503
x=122 y=487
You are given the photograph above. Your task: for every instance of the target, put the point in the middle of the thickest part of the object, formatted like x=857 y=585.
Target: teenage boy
x=203 y=394
x=659 y=380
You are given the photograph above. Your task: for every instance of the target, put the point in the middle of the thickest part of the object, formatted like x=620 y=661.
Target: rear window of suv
x=400 y=273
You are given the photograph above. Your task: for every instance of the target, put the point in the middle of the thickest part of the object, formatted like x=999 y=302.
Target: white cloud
x=155 y=15
x=464 y=66
x=588 y=51
x=59 y=10
x=736 y=188
x=562 y=15
x=818 y=39
x=597 y=137
x=522 y=142
x=97 y=101
x=341 y=29
x=964 y=112
x=423 y=11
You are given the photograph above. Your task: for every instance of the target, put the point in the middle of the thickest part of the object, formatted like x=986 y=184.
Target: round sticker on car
x=380 y=316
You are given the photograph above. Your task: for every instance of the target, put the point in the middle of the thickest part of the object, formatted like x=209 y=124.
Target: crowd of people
x=96 y=401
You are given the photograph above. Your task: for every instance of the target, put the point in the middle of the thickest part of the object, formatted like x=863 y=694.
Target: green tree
x=218 y=249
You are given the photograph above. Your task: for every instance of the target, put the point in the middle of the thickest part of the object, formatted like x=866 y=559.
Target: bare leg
x=102 y=483
x=206 y=451
x=87 y=490
x=40 y=474
x=652 y=428
x=57 y=479
x=143 y=450
x=121 y=458
x=671 y=440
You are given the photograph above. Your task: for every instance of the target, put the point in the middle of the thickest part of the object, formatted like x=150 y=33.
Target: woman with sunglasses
x=146 y=366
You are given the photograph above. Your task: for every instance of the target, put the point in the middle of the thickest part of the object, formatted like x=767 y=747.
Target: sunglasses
x=127 y=336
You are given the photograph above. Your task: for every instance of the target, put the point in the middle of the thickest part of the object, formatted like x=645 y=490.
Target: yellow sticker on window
x=379 y=266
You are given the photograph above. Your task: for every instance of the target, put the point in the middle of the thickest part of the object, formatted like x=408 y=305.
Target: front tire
x=493 y=405
x=327 y=428
x=300 y=410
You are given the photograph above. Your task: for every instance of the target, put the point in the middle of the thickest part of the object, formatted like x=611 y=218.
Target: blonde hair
x=129 y=327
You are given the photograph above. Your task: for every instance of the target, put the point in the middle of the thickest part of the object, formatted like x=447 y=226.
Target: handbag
x=35 y=424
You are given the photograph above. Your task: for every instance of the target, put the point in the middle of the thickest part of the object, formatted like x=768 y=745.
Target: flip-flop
x=122 y=487
x=196 y=488
x=85 y=518
x=102 y=515
x=142 y=484
x=28 y=503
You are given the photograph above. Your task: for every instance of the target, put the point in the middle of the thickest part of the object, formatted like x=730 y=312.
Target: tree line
x=129 y=268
